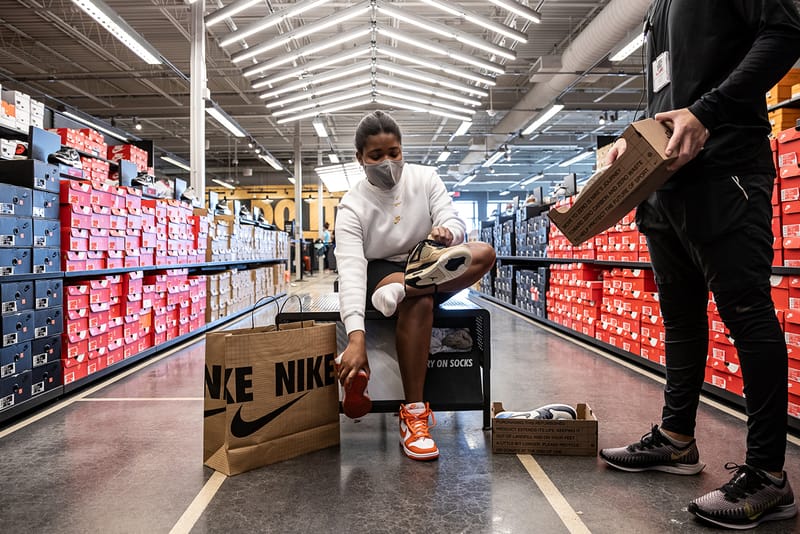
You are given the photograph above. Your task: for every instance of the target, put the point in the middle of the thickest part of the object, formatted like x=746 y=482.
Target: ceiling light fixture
x=504 y=193
x=443 y=156
x=305 y=51
x=319 y=127
x=136 y=124
x=225 y=120
x=493 y=159
x=474 y=18
x=441 y=50
x=543 y=118
x=580 y=157
x=518 y=9
x=467 y=179
x=629 y=46
x=445 y=31
x=177 y=163
x=303 y=31
x=463 y=128
x=229 y=11
x=120 y=29
x=273 y=19
x=532 y=179
x=430 y=78
x=427 y=90
x=324 y=90
x=333 y=158
x=340 y=177
x=396 y=93
x=357 y=102
x=315 y=79
x=380 y=99
x=223 y=184
x=270 y=159
x=94 y=123
x=322 y=102
x=292 y=180
x=308 y=67
x=443 y=67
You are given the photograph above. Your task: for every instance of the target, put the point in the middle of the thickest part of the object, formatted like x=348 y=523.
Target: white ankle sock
x=676 y=442
x=415 y=407
x=386 y=298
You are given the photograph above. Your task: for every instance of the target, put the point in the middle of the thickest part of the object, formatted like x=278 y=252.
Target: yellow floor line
x=557 y=501
x=199 y=504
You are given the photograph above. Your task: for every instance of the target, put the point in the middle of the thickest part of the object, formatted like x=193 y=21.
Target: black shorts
x=377 y=270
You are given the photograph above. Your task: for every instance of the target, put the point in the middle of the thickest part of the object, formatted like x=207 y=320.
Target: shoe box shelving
x=95 y=276
x=603 y=291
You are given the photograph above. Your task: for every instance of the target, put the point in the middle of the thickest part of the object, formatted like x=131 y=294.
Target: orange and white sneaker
x=414 y=435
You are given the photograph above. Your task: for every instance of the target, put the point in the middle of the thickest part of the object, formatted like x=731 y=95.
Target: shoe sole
x=356 y=403
x=787 y=511
x=675 y=469
x=424 y=457
x=451 y=264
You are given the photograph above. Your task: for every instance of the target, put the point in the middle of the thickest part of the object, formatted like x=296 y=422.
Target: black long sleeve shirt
x=724 y=56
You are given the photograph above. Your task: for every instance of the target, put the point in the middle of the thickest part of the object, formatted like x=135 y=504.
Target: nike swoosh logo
x=215 y=411
x=241 y=428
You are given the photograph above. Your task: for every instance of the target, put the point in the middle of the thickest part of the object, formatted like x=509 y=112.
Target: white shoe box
x=7 y=148
x=22 y=101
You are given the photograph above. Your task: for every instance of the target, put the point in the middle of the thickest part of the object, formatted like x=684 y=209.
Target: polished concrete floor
x=126 y=457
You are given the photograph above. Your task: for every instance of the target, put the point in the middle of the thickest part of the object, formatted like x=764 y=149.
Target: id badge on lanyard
x=661 y=75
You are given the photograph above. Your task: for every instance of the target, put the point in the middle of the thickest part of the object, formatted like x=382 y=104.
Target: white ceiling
x=51 y=47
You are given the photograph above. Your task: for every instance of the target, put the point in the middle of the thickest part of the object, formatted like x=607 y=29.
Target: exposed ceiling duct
x=601 y=35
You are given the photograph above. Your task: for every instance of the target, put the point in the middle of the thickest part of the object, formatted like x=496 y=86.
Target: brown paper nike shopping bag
x=270 y=395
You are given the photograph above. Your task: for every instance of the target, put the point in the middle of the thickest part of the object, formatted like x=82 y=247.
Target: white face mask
x=385 y=174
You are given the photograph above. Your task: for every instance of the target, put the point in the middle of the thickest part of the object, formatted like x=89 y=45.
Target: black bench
x=457 y=379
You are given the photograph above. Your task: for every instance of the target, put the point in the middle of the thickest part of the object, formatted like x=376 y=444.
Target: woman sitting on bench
x=400 y=207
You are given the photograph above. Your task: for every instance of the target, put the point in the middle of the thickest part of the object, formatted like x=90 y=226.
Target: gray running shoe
x=749 y=499
x=654 y=452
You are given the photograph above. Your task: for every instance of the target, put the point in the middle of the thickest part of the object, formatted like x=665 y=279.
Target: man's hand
x=442 y=235
x=688 y=136
x=354 y=358
x=616 y=151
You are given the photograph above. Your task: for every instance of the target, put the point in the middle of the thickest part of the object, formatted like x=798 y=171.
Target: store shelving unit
x=193 y=267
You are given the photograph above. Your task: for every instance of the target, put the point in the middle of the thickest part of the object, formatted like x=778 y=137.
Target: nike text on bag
x=270 y=395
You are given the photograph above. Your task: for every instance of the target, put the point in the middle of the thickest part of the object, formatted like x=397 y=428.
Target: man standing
x=709 y=66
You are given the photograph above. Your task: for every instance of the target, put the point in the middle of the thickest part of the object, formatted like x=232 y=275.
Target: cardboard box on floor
x=545 y=436
x=613 y=192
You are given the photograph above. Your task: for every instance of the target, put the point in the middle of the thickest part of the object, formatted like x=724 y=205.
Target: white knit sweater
x=373 y=223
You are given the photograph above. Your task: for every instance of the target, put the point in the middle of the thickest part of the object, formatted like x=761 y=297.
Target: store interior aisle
x=125 y=456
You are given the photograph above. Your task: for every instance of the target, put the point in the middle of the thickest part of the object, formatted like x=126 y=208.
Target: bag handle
x=270 y=299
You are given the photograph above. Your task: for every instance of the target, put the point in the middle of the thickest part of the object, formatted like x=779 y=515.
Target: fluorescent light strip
x=322 y=102
x=223 y=184
x=452 y=54
x=270 y=159
x=458 y=11
x=316 y=78
x=292 y=180
x=339 y=107
x=269 y=21
x=580 y=157
x=333 y=158
x=423 y=100
x=305 y=51
x=467 y=179
x=463 y=128
x=229 y=11
x=303 y=31
x=95 y=126
x=543 y=118
x=319 y=127
x=429 y=78
x=504 y=193
x=427 y=90
x=629 y=48
x=177 y=163
x=443 y=67
x=518 y=9
x=320 y=91
x=493 y=159
x=532 y=179
x=443 y=156
x=117 y=27
x=227 y=122
x=418 y=107
x=441 y=29
x=311 y=66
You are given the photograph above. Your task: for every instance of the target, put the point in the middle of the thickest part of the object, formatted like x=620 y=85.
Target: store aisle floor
x=126 y=456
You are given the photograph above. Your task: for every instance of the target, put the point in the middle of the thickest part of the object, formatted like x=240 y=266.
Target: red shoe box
x=76 y=192
x=77 y=297
x=118 y=219
x=74 y=369
x=724 y=381
x=98 y=337
x=638 y=280
x=780 y=291
x=794 y=404
x=76 y=216
x=75 y=345
x=95 y=260
x=133 y=239
x=147 y=257
x=132 y=303
x=115 y=259
x=115 y=334
x=101 y=216
x=98 y=239
x=98 y=314
x=77 y=321
x=133 y=222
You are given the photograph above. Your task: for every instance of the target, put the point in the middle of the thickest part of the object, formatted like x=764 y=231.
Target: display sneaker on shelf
x=21 y=150
x=144 y=179
x=549 y=411
x=66 y=156
x=749 y=499
x=431 y=263
x=222 y=208
x=415 y=437
x=245 y=214
x=655 y=452
x=189 y=195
